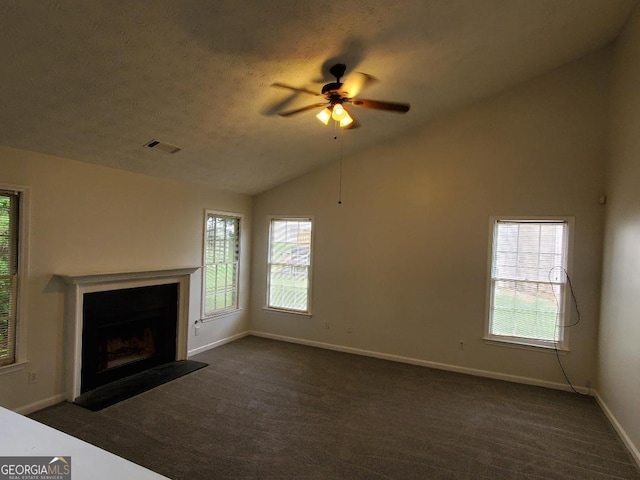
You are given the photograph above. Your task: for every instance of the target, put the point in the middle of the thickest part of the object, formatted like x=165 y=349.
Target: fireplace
x=119 y=324
x=127 y=331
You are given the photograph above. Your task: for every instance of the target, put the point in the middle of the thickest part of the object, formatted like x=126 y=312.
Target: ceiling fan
x=338 y=94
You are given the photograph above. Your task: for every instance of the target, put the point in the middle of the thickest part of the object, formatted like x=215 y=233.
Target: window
x=9 y=211
x=528 y=281
x=221 y=260
x=289 y=281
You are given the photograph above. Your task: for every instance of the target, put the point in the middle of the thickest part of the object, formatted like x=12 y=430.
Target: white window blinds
x=528 y=280
x=289 y=264
x=9 y=207
x=221 y=259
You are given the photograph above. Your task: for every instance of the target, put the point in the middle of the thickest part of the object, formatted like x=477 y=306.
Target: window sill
x=524 y=345
x=218 y=315
x=290 y=312
x=12 y=367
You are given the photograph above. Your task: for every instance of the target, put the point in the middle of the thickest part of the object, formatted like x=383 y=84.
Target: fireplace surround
x=124 y=339
x=127 y=331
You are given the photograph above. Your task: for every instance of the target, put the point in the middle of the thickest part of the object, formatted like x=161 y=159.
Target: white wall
x=404 y=258
x=91 y=219
x=619 y=339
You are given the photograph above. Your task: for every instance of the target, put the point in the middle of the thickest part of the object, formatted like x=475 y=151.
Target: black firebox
x=128 y=331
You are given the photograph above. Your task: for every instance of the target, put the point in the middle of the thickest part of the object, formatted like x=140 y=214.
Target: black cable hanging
x=578 y=318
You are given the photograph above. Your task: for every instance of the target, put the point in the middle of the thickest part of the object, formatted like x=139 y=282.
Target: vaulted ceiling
x=95 y=81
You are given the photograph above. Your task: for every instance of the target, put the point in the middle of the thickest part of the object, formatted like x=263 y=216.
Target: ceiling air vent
x=162 y=146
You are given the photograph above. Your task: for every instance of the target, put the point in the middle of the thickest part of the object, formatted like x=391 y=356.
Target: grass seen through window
x=8 y=274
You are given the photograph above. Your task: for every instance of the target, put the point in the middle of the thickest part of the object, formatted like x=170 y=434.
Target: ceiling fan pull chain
x=340 y=176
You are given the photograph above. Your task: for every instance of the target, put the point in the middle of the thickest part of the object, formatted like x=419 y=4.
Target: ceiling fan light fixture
x=324 y=116
x=336 y=93
x=346 y=120
x=338 y=112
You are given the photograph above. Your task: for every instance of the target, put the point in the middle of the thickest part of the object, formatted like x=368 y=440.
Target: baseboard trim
x=635 y=453
x=40 y=404
x=48 y=402
x=217 y=343
x=422 y=363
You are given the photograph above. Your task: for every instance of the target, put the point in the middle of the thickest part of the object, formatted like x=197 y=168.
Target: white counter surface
x=21 y=436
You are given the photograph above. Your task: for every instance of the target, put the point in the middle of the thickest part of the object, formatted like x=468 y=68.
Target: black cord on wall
x=578 y=319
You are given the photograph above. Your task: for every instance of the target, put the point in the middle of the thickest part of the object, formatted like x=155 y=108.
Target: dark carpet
x=264 y=409
x=114 y=392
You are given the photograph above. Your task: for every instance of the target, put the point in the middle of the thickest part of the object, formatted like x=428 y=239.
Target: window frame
x=564 y=311
x=204 y=316
x=270 y=220
x=20 y=343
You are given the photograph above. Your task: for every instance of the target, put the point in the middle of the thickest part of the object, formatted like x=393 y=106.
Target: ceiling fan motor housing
x=331 y=87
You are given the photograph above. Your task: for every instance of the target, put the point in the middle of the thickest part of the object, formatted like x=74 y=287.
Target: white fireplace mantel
x=96 y=278
x=78 y=285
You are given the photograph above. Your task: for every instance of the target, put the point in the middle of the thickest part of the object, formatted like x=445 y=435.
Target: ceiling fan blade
x=355 y=83
x=378 y=105
x=288 y=113
x=295 y=89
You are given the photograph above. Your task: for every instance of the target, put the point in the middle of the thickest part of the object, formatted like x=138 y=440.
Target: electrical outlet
x=197 y=332
x=327 y=325
x=33 y=377
x=349 y=328
x=461 y=346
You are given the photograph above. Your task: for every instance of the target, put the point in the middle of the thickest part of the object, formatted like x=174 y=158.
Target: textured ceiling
x=96 y=80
